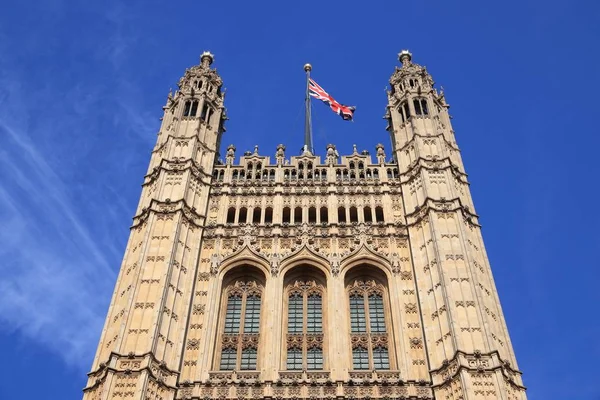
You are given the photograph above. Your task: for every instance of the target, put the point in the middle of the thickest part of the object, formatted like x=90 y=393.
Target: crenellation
x=304 y=276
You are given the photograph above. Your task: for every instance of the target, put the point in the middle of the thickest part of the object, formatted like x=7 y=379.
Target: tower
x=305 y=277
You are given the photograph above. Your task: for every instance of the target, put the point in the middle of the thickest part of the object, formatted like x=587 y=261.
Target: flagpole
x=308 y=145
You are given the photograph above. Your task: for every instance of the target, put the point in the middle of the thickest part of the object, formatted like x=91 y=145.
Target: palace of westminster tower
x=293 y=277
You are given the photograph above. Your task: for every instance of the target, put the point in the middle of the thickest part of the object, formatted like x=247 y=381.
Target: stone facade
x=344 y=277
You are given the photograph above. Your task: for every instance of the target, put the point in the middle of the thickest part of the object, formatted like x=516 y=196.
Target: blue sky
x=81 y=90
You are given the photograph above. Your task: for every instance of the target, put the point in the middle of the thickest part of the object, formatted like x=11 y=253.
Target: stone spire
x=465 y=331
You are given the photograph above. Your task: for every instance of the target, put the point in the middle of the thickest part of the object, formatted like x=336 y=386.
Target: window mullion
x=238 y=362
x=368 y=329
x=304 y=329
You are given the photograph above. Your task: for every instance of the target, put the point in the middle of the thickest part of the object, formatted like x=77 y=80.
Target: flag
x=346 y=112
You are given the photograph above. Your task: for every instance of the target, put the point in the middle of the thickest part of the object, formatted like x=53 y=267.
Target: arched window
x=272 y=175
x=298 y=215
x=368 y=330
x=379 y=214
x=235 y=176
x=367 y=214
x=206 y=112
x=240 y=325
x=341 y=215
x=353 y=214
x=231 y=215
x=375 y=174
x=286 y=215
x=268 y=215
x=243 y=215
x=186 y=108
x=221 y=175
x=312 y=215
x=304 y=344
x=323 y=174
x=424 y=107
x=323 y=215
x=421 y=106
x=256 y=215
x=194 y=109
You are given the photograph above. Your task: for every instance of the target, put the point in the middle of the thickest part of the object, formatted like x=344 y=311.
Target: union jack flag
x=316 y=91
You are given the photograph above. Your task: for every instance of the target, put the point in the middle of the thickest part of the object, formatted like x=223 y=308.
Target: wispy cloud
x=62 y=216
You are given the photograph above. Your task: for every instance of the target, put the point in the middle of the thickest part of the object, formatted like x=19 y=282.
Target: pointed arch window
x=240 y=326
x=368 y=328
x=304 y=345
x=421 y=106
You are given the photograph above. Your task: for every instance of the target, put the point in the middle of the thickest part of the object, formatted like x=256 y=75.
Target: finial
x=405 y=57
x=256 y=149
x=206 y=58
x=354 y=150
x=307 y=67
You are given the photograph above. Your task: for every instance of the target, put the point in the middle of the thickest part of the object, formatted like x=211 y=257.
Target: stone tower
x=305 y=277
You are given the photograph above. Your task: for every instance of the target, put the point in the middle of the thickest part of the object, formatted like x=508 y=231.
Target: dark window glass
x=358 y=322
x=242 y=217
x=295 y=313
x=417 y=104
x=256 y=215
x=228 y=359
x=341 y=214
x=231 y=215
x=248 y=360
x=294 y=359
x=268 y=215
x=312 y=215
x=298 y=215
x=379 y=214
x=381 y=359
x=367 y=214
x=314 y=358
x=424 y=107
x=360 y=358
x=252 y=315
x=232 y=316
x=323 y=214
x=376 y=315
x=314 y=314
x=186 y=108
x=286 y=215
x=353 y=214
x=194 y=109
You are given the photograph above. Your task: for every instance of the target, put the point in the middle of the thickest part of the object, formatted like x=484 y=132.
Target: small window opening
x=268 y=215
x=312 y=215
x=231 y=215
x=243 y=216
x=379 y=214
x=367 y=214
x=286 y=215
x=341 y=214
x=353 y=214
x=194 y=109
x=323 y=215
x=298 y=215
x=256 y=215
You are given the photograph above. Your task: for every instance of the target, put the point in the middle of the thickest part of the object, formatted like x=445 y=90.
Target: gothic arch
x=364 y=255
x=305 y=318
x=305 y=255
x=244 y=256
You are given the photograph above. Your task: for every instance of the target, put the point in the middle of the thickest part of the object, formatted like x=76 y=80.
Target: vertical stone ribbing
x=139 y=355
x=470 y=355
